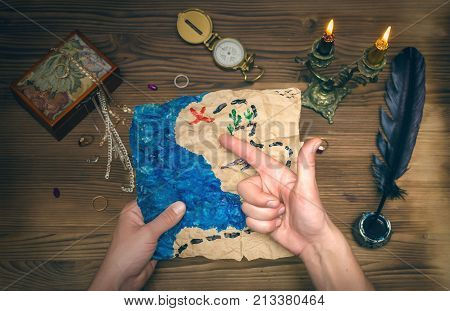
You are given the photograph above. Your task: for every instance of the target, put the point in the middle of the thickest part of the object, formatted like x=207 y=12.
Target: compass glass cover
x=228 y=53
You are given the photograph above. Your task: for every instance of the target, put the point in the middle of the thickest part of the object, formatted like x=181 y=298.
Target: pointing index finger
x=260 y=161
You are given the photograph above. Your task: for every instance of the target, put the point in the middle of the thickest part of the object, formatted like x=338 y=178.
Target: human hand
x=127 y=264
x=279 y=202
x=287 y=206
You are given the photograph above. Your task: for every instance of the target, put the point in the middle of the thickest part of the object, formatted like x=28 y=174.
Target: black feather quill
x=405 y=97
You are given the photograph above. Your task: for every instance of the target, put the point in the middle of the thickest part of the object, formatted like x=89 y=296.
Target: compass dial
x=228 y=53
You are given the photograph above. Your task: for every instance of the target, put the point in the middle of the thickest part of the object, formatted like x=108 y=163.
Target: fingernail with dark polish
x=322 y=146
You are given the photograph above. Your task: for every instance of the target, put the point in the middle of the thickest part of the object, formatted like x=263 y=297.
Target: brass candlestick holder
x=325 y=93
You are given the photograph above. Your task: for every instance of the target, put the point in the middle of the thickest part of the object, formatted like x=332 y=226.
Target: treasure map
x=177 y=157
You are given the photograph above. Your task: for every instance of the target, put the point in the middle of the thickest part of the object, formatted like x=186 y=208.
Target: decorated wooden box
x=56 y=92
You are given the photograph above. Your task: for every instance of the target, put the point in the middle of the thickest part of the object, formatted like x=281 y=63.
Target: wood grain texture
x=48 y=243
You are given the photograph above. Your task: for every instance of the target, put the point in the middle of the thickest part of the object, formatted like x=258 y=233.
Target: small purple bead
x=56 y=193
x=152 y=86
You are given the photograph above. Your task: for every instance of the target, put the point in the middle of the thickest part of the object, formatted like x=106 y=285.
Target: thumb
x=306 y=165
x=166 y=220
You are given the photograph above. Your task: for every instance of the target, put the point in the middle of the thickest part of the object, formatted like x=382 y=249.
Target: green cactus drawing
x=248 y=115
x=236 y=118
x=230 y=129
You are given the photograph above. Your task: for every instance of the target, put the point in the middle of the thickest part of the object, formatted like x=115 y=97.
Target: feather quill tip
x=385 y=186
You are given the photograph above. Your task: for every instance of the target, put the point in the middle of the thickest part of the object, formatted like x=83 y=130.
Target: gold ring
x=65 y=73
x=105 y=203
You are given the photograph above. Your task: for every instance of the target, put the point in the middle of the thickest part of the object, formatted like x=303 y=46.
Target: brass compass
x=195 y=27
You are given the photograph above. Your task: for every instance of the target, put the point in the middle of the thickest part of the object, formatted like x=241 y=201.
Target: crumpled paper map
x=177 y=156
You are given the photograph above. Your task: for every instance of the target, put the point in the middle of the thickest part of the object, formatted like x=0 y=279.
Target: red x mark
x=199 y=116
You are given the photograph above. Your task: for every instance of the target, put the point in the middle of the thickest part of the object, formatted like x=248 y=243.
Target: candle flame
x=329 y=30
x=386 y=34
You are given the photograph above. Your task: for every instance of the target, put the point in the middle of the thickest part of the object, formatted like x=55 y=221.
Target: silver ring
x=181 y=86
x=85 y=140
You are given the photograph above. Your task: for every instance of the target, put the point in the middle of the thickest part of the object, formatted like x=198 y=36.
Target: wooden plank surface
x=48 y=243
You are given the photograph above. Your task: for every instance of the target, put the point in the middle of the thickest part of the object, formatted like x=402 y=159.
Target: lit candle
x=327 y=40
x=376 y=54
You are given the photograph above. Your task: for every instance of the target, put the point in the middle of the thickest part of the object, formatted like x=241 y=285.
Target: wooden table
x=49 y=243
